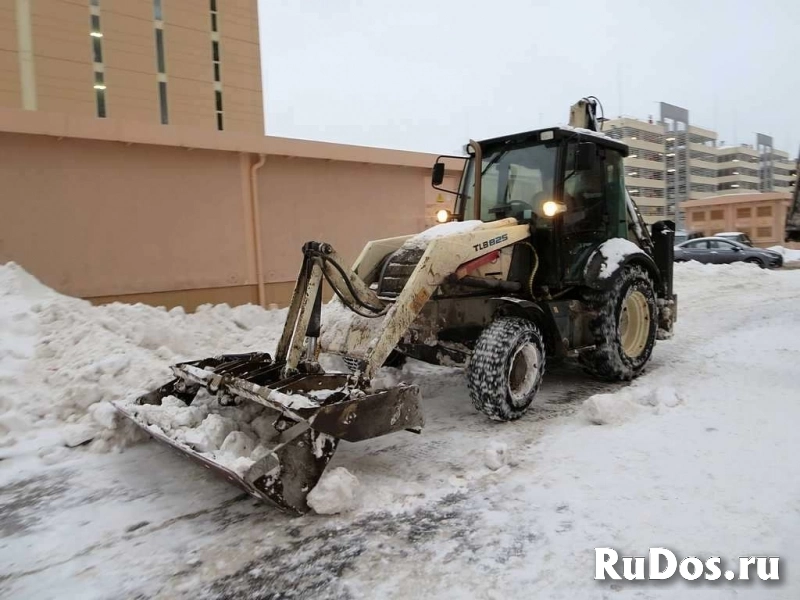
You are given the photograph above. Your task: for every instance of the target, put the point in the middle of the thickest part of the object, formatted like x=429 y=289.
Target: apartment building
x=190 y=64
x=672 y=162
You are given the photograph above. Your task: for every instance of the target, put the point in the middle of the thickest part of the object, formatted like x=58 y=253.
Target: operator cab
x=558 y=174
x=567 y=183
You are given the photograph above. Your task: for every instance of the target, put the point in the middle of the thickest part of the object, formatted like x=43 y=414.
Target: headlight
x=551 y=209
x=443 y=216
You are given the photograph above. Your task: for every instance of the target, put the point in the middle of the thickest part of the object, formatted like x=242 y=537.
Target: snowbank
x=63 y=361
x=788 y=254
x=335 y=492
x=625 y=404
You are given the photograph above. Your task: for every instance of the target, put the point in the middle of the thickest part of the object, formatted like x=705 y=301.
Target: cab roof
x=559 y=133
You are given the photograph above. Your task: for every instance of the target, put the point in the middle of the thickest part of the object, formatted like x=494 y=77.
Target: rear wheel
x=506 y=368
x=625 y=327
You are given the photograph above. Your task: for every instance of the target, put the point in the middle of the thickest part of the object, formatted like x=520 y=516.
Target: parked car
x=682 y=236
x=736 y=236
x=718 y=250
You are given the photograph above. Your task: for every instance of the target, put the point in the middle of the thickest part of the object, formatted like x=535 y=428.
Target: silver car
x=718 y=250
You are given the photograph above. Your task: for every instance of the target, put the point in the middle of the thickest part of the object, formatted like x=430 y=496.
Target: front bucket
x=272 y=437
x=284 y=476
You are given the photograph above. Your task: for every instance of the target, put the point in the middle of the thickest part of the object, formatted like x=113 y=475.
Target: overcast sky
x=428 y=75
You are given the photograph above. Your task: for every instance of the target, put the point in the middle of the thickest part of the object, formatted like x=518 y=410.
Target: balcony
x=643 y=182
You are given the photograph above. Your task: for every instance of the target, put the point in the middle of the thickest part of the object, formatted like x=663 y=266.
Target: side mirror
x=737 y=249
x=585 y=155
x=437 y=174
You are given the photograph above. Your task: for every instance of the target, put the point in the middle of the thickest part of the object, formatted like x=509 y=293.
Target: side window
x=696 y=245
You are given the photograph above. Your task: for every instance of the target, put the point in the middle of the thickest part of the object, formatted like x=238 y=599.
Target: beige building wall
x=10 y=92
x=62 y=56
x=51 y=38
x=187 y=35
x=165 y=215
x=243 y=103
x=129 y=59
x=762 y=216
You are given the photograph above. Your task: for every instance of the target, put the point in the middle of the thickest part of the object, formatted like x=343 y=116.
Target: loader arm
x=370 y=341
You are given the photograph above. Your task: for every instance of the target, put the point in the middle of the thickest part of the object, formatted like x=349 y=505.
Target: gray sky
x=429 y=74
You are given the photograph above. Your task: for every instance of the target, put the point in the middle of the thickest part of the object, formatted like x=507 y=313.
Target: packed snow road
x=699 y=455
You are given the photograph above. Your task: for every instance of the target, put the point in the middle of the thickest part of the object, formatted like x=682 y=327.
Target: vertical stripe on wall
x=27 y=73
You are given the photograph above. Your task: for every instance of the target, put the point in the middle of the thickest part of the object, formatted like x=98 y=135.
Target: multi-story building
x=672 y=162
x=645 y=170
x=192 y=64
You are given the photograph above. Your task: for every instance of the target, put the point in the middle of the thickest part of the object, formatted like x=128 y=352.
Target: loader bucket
x=298 y=421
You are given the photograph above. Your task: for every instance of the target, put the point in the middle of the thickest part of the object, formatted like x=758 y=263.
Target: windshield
x=516 y=182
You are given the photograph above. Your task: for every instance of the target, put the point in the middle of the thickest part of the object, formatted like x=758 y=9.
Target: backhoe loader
x=543 y=255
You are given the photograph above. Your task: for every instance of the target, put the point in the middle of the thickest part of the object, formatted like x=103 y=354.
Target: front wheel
x=506 y=368
x=624 y=328
x=755 y=261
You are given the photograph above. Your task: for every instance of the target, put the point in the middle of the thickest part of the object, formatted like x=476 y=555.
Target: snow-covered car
x=718 y=250
x=736 y=236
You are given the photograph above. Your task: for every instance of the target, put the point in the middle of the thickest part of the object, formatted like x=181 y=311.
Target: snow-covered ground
x=789 y=255
x=699 y=455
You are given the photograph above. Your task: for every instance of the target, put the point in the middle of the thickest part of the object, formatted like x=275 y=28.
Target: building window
x=716 y=215
x=97 y=49
x=216 y=63
x=100 y=98
x=764 y=232
x=698 y=217
x=161 y=62
x=96 y=36
x=743 y=213
x=162 y=102
x=160 y=51
x=764 y=211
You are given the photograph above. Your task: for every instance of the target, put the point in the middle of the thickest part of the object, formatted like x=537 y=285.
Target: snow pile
x=789 y=255
x=624 y=405
x=335 y=492
x=340 y=323
x=63 y=361
x=233 y=436
x=421 y=240
x=614 y=251
x=496 y=455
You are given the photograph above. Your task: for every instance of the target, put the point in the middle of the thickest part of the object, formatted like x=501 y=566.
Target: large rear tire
x=625 y=327
x=506 y=368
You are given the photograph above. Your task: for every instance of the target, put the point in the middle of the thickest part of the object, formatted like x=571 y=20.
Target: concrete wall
x=169 y=225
